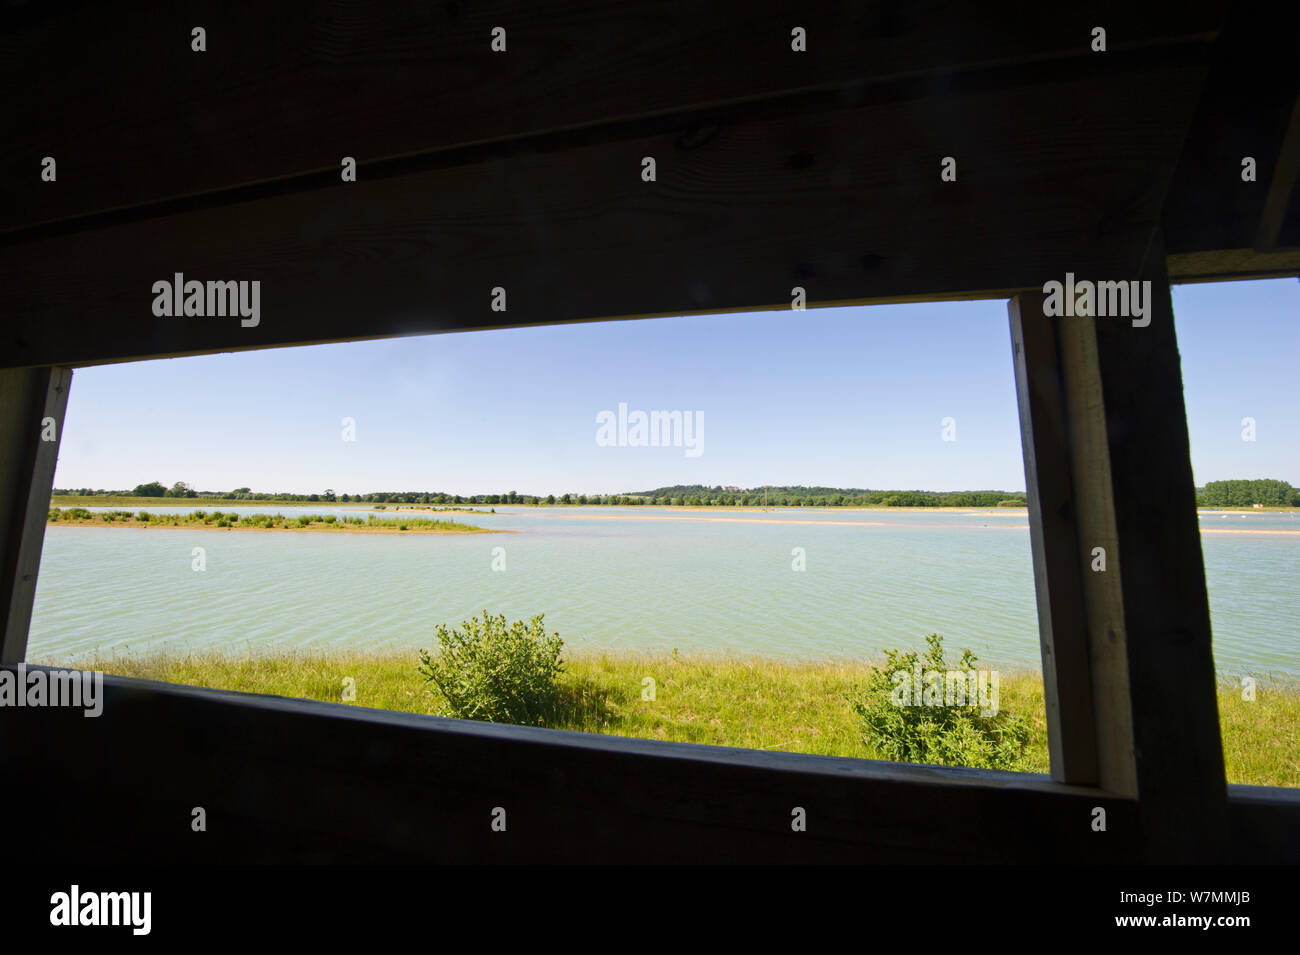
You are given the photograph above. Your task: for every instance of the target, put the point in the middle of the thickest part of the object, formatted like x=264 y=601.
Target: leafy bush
x=143 y=516
x=488 y=670
x=947 y=735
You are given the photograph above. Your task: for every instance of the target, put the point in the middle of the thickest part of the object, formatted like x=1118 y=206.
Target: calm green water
x=611 y=578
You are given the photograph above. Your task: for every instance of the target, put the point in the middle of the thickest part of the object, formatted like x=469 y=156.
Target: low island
x=221 y=520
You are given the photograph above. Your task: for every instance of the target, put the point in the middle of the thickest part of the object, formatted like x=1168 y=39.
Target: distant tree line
x=799 y=496
x=1248 y=493
x=681 y=495
x=1214 y=494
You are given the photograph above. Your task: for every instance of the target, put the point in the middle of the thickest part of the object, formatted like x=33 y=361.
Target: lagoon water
x=715 y=580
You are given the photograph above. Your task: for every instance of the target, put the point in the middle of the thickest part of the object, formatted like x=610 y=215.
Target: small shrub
x=329 y=518
x=53 y=515
x=947 y=735
x=497 y=672
x=143 y=517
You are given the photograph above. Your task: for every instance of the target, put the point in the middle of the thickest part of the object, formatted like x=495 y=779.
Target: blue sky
x=851 y=397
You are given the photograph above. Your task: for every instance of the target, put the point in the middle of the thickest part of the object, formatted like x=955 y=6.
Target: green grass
x=749 y=702
x=79 y=516
x=1261 y=738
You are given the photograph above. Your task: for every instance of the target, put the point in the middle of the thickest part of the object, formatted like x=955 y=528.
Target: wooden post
x=31 y=424
x=1123 y=611
x=1178 y=752
x=1054 y=539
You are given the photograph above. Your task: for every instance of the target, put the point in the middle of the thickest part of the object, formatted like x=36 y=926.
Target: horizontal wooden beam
x=1067 y=172
x=133 y=115
x=1231 y=265
x=284 y=780
x=293 y=780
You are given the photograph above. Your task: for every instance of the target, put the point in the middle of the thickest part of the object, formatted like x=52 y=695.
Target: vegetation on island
x=266 y=522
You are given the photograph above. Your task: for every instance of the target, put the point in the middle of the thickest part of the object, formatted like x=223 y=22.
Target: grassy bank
x=749 y=702
x=219 y=520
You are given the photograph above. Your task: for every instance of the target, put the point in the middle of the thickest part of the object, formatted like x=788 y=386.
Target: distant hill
x=800 y=495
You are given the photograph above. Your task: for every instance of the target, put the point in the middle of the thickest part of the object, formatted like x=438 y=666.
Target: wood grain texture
x=1094 y=519
x=134 y=116
x=297 y=781
x=285 y=780
x=1059 y=559
x=1172 y=691
x=28 y=397
x=846 y=203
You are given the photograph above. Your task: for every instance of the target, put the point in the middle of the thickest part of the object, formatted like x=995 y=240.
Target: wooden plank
x=288 y=780
x=133 y=115
x=32 y=403
x=1229 y=265
x=297 y=781
x=1059 y=561
x=847 y=204
x=1094 y=519
x=1171 y=683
